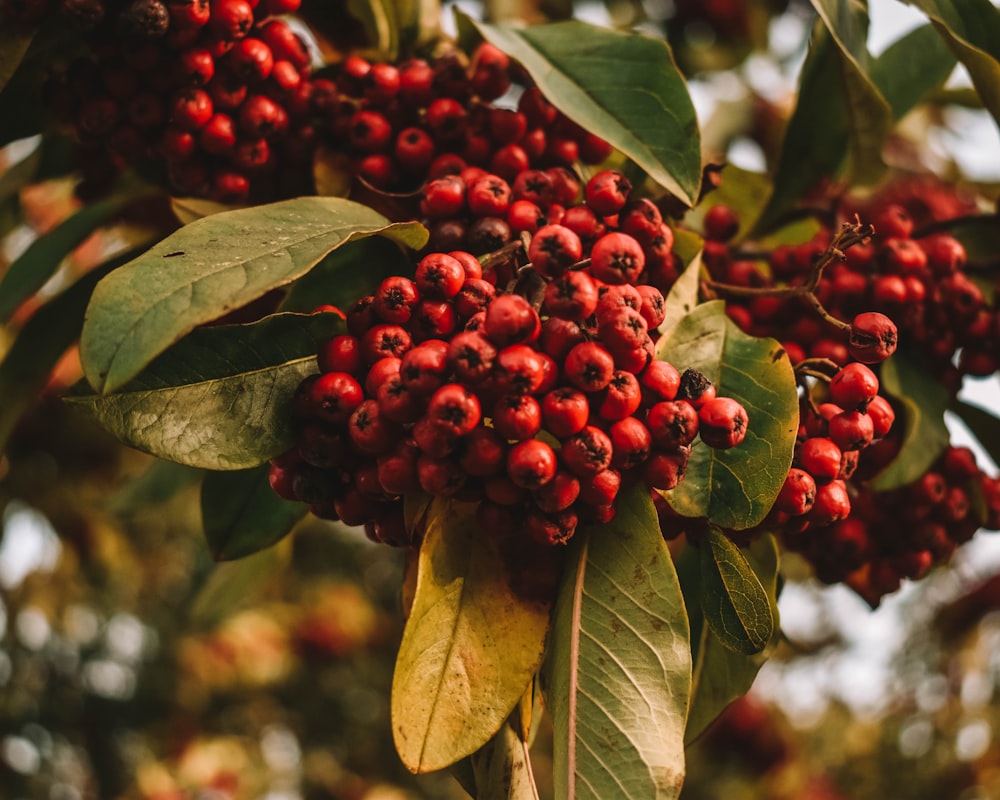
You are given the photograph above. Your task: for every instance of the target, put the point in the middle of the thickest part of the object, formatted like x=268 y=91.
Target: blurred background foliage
x=132 y=666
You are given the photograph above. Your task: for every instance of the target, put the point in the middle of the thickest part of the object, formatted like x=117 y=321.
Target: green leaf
x=47 y=334
x=220 y=399
x=474 y=638
x=15 y=39
x=241 y=514
x=984 y=425
x=503 y=768
x=971 y=28
x=911 y=68
x=870 y=115
x=816 y=137
x=618 y=674
x=736 y=488
x=624 y=87
x=210 y=267
x=733 y=601
x=925 y=436
x=347 y=274
x=720 y=674
x=29 y=272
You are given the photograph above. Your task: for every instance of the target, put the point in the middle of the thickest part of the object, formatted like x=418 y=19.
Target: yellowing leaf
x=474 y=638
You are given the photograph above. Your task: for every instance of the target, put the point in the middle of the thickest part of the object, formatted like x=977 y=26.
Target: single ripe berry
x=335 y=395
x=553 y=250
x=673 y=424
x=798 y=493
x=439 y=276
x=873 y=337
x=455 y=408
x=820 y=456
x=617 y=258
x=589 y=367
x=607 y=192
x=531 y=464
x=588 y=452
x=722 y=423
x=721 y=223
x=510 y=319
x=854 y=387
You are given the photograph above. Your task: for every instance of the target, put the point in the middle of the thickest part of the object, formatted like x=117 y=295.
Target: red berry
x=511 y=319
x=854 y=387
x=631 y=443
x=673 y=424
x=587 y=452
x=589 y=367
x=797 y=494
x=873 y=337
x=722 y=423
x=531 y=464
x=553 y=250
x=572 y=296
x=439 y=276
x=607 y=192
x=820 y=456
x=334 y=396
x=617 y=258
x=721 y=223
x=517 y=417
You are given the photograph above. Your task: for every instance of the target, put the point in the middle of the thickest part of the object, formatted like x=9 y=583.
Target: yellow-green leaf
x=473 y=641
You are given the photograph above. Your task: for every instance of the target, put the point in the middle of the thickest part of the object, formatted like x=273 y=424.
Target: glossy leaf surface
x=733 y=600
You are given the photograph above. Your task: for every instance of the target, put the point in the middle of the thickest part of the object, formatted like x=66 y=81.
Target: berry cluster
x=917 y=280
x=538 y=409
x=832 y=436
x=903 y=533
x=212 y=95
x=423 y=120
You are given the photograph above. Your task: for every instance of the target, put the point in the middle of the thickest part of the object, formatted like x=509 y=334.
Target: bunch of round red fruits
x=516 y=367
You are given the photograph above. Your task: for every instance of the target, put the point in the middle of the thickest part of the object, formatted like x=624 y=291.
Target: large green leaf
x=735 y=488
x=210 y=267
x=925 y=436
x=220 y=398
x=618 y=675
x=624 y=87
x=241 y=514
x=347 y=274
x=720 y=674
x=29 y=272
x=47 y=334
x=911 y=68
x=984 y=425
x=870 y=114
x=816 y=135
x=474 y=638
x=971 y=28
x=733 y=600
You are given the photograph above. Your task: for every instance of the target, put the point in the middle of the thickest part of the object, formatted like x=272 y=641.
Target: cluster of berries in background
x=918 y=279
x=538 y=402
x=421 y=120
x=870 y=540
x=213 y=99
